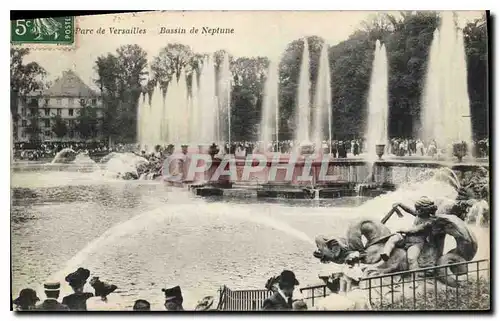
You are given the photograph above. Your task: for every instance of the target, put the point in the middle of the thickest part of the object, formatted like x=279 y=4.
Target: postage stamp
x=43 y=31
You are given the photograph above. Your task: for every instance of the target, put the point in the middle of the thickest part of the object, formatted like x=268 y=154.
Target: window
x=59 y=101
x=47 y=122
x=47 y=111
x=71 y=101
x=82 y=101
x=71 y=123
x=33 y=111
x=34 y=101
x=23 y=111
x=48 y=133
x=94 y=102
x=24 y=123
x=47 y=101
x=71 y=134
x=70 y=111
x=59 y=112
x=23 y=134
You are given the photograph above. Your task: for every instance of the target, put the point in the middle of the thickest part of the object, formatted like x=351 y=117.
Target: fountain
x=323 y=101
x=187 y=114
x=303 y=103
x=445 y=115
x=208 y=103
x=225 y=100
x=378 y=106
x=270 y=108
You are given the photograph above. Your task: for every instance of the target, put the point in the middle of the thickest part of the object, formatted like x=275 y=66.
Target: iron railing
x=421 y=289
x=242 y=300
x=424 y=289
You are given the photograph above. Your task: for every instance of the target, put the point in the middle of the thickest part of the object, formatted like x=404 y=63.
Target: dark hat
x=102 y=288
x=78 y=278
x=288 y=277
x=52 y=286
x=26 y=296
x=142 y=305
x=172 y=293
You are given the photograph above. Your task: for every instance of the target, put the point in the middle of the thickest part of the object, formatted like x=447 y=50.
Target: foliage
x=33 y=130
x=59 y=126
x=24 y=78
x=120 y=78
x=87 y=123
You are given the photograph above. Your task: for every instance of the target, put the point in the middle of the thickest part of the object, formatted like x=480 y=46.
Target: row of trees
x=123 y=76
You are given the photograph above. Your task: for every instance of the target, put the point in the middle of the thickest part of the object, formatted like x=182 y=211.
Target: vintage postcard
x=250 y=161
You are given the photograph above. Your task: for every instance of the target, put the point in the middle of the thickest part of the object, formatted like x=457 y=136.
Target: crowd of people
x=347 y=295
x=338 y=148
x=101 y=299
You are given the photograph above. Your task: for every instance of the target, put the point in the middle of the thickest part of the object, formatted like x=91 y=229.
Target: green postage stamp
x=58 y=31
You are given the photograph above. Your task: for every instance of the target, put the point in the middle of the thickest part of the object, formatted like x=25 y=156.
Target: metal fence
x=242 y=300
x=468 y=288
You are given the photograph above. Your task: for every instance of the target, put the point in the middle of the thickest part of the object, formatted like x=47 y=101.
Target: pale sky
x=257 y=33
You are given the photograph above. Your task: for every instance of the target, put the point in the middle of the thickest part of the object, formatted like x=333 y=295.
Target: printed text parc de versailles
x=161 y=30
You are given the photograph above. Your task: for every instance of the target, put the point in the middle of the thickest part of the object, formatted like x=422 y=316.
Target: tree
x=33 y=130
x=87 y=123
x=246 y=97
x=170 y=62
x=24 y=78
x=59 y=126
x=120 y=78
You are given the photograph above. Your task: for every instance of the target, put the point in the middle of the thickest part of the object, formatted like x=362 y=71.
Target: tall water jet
x=378 y=105
x=323 y=100
x=194 y=114
x=181 y=109
x=302 y=107
x=269 y=122
x=208 y=102
x=154 y=122
x=224 y=100
x=445 y=115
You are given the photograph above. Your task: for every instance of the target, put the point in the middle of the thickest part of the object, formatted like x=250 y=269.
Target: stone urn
x=213 y=150
x=459 y=150
x=306 y=149
x=184 y=149
x=170 y=149
x=379 y=150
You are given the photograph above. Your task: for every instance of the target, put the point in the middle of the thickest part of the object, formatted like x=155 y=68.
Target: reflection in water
x=143 y=236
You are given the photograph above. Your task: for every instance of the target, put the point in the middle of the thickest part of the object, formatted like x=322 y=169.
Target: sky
x=257 y=33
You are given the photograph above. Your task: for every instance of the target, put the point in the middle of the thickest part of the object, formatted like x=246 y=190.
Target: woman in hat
x=78 y=300
x=173 y=299
x=27 y=300
x=101 y=302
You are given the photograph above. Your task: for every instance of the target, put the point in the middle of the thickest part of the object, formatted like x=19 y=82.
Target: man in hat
x=78 y=300
x=27 y=300
x=173 y=299
x=52 y=291
x=413 y=239
x=282 y=298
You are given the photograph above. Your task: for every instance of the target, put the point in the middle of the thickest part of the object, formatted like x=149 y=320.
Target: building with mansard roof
x=65 y=97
